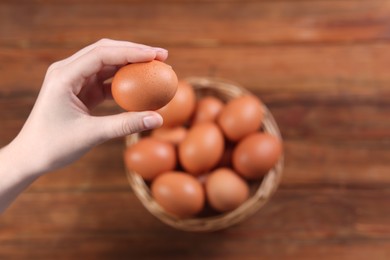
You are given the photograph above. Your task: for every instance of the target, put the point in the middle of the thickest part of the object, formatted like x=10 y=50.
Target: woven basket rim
x=267 y=187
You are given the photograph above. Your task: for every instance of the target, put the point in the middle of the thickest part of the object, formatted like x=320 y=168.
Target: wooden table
x=323 y=69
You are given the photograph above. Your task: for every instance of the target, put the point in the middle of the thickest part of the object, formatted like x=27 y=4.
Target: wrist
x=16 y=175
x=19 y=161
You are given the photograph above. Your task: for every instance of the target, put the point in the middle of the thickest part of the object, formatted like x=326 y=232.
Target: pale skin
x=60 y=127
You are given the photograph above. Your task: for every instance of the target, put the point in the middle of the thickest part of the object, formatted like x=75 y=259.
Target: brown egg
x=173 y=135
x=144 y=86
x=150 y=157
x=240 y=117
x=256 y=154
x=179 y=110
x=225 y=190
x=178 y=193
x=207 y=110
x=202 y=148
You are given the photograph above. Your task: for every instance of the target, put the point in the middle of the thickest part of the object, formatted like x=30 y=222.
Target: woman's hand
x=60 y=128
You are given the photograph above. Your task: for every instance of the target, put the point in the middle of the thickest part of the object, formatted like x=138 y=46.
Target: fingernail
x=151 y=122
x=160 y=49
x=163 y=52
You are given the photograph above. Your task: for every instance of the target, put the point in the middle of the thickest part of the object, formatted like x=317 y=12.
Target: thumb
x=108 y=127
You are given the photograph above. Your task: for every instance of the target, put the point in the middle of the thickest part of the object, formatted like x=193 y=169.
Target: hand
x=60 y=127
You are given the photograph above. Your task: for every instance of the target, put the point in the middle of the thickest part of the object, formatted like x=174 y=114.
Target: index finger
x=93 y=61
x=108 y=42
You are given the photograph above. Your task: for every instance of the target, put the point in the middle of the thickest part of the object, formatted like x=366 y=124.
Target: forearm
x=16 y=174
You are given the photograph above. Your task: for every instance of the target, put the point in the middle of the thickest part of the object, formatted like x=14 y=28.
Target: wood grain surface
x=321 y=66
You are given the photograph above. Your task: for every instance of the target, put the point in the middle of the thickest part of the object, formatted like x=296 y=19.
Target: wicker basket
x=261 y=193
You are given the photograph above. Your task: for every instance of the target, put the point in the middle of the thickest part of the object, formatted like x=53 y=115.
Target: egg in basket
x=216 y=160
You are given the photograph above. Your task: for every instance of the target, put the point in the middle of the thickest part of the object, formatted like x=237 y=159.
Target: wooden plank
x=336 y=144
x=345 y=70
x=338 y=222
x=314 y=116
x=340 y=164
x=122 y=247
x=307 y=164
x=337 y=123
x=197 y=23
x=357 y=71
